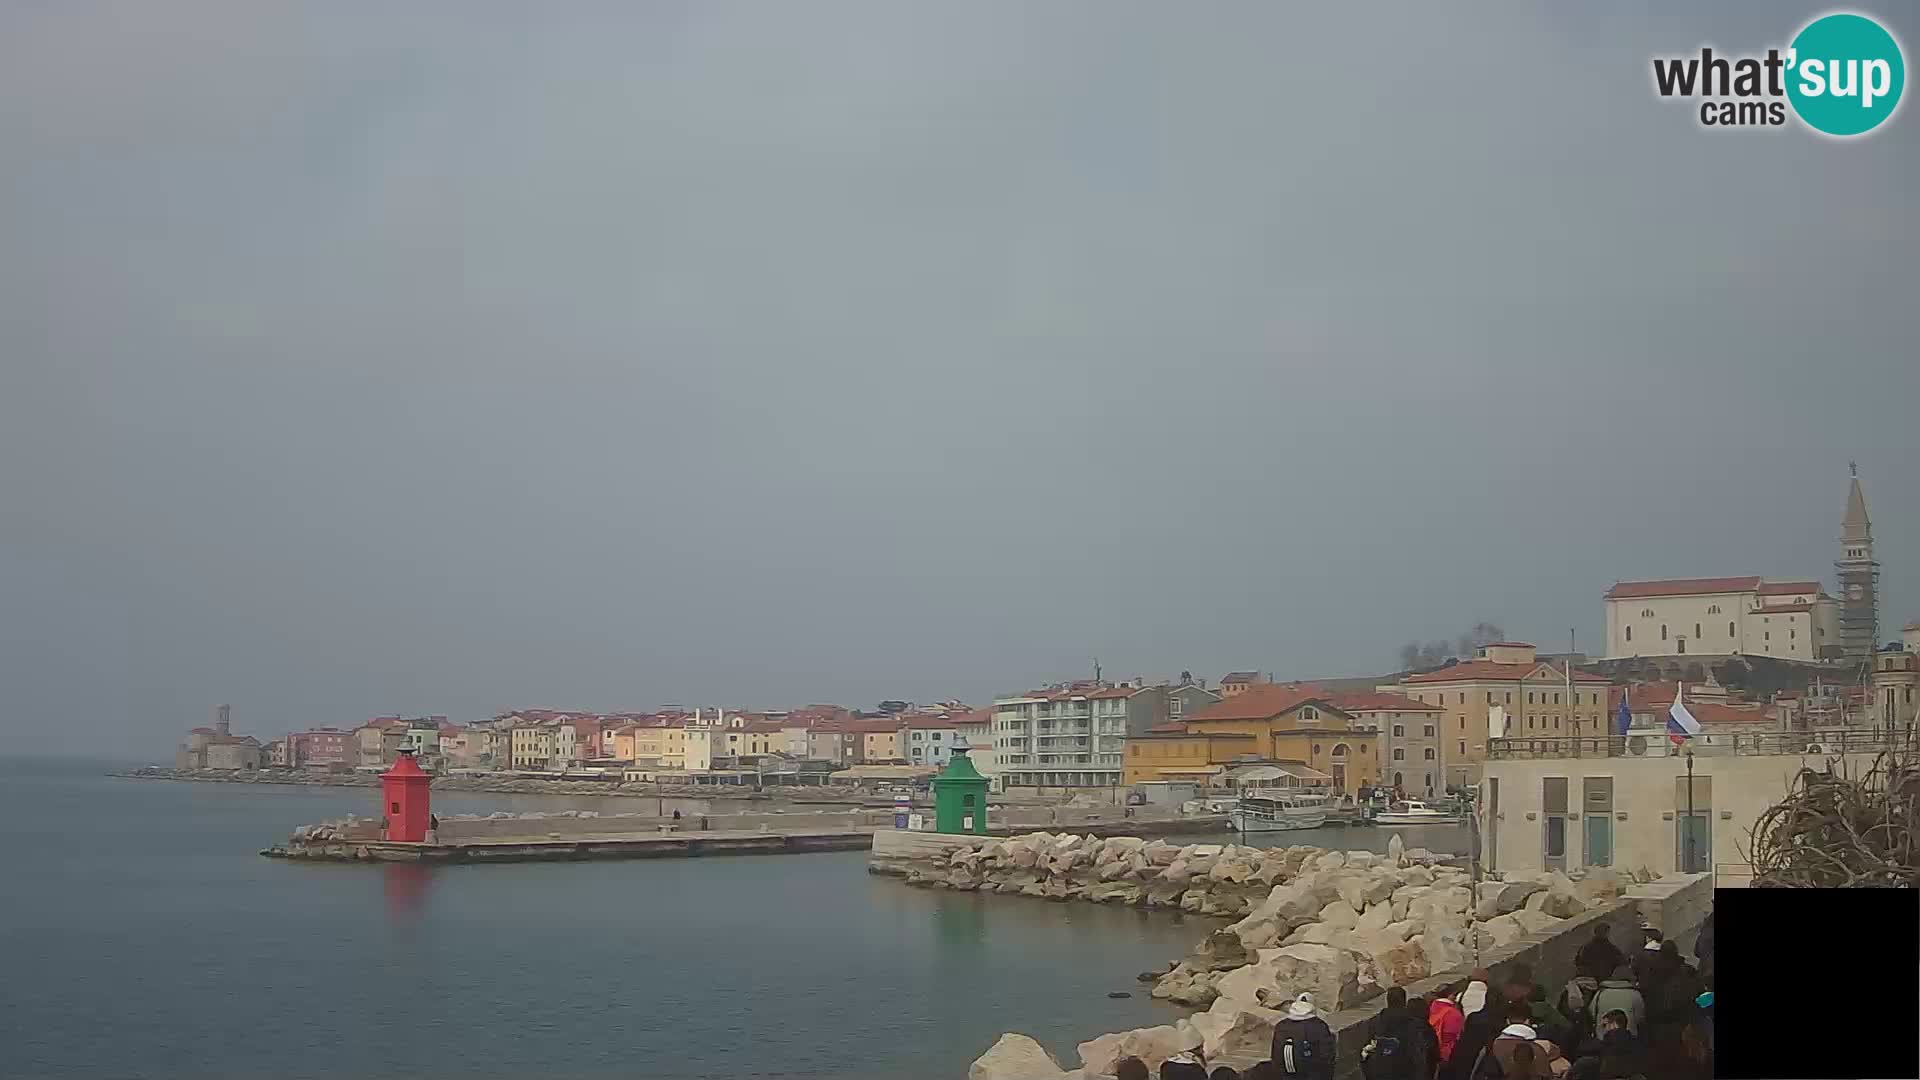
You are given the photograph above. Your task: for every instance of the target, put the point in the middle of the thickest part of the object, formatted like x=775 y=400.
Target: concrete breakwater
x=1343 y=926
x=588 y=834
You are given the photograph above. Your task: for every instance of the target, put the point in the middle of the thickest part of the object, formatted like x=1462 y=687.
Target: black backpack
x=1294 y=1053
x=1394 y=1055
x=1485 y=1065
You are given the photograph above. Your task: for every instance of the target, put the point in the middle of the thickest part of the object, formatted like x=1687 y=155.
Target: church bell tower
x=1859 y=578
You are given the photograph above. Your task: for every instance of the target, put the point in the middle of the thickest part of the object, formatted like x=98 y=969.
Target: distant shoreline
x=483 y=785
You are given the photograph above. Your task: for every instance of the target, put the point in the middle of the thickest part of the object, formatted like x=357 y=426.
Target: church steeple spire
x=1855 y=527
x=1859 y=574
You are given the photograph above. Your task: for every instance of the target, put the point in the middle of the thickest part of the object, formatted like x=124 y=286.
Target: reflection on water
x=406 y=888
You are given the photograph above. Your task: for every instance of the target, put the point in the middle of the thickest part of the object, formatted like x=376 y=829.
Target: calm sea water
x=141 y=935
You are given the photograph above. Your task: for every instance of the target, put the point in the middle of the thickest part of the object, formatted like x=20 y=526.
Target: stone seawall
x=1342 y=926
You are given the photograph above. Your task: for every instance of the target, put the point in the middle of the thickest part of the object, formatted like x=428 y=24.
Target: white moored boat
x=1268 y=811
x=1415 y=813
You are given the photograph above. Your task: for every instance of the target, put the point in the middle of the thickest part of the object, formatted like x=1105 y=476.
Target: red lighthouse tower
x=405 y=800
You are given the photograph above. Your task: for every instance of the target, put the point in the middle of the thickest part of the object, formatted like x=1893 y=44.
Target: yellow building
x=1183 y=755
x=619 y=742
x=753 y=740
x=1296 y=722
x=532 y=747
x=1530 y=694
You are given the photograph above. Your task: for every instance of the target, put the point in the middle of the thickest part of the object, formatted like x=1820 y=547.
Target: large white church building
x=1751 y=616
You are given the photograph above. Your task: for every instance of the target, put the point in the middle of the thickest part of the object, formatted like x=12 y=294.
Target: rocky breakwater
x=1342 y=926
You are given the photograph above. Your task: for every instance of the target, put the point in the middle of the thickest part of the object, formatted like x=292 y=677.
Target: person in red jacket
x=1446 y=1019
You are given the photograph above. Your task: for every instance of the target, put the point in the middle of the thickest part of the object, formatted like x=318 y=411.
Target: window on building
x=1663 y=631
x=1792 y=634
x=1463 y=699
x=1556 y=699
x=1646 y=613
x=1696 y=630
x=1428 y=753
x=1629 y=633
x=1489 y=697
x=1767 y=636
x=1509 y=699
x=1463 y=748
x=1174 y=705
x=1729 y=629
x=1713 y=609
x=1399 y=754
x=1363 y=748
x=1399 y=731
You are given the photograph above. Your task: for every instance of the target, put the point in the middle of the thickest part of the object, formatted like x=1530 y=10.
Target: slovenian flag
x=1623 y=719
x=1681 y=725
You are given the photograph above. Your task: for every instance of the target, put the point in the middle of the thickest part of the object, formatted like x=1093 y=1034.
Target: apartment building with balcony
x=1067 y=735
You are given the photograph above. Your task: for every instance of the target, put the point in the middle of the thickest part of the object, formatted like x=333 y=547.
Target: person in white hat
x=1302 y=1042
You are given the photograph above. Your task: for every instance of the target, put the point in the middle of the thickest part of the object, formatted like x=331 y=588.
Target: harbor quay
x=407 y=830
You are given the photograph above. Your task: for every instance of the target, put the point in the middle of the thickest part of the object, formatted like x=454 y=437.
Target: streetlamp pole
x=1688 y=848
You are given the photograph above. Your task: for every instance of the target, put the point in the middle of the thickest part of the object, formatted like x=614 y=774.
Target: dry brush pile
x=1843 y=827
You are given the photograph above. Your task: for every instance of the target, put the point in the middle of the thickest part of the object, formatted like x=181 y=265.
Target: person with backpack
x=1598 y=957
x=1303 y=1044
x=1514 y=1048
x=1446 y=1020
x=1617 y=993
x=1617 y=1054
x=1576 y=1004
x=1397 y=1046
x=1185 y=1065
x=1469 y=1059
x=1545 y=1019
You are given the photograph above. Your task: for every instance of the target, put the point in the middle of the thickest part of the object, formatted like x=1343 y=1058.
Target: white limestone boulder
x=1153 y=1045
x=1015 y=1057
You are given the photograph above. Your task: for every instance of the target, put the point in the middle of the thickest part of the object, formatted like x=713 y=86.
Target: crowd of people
x=1635 y=1014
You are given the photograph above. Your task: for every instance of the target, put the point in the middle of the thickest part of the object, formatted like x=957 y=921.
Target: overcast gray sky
x=462 y=356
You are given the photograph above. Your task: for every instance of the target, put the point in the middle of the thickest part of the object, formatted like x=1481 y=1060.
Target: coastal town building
x=878 y=740
x=1795 y=621
x=1149 y=706
x=1235 y=683
x=1720 y=617
x=1300 y=723
x=532 y=745
x=1896 y=682
x=379 y=741
x=1507 y=682
x=975 y=730
x=929 y=739
x=320 y=748
x=217 y=748
x=1409 y=742
x=1556 y=802
x=1066 y=735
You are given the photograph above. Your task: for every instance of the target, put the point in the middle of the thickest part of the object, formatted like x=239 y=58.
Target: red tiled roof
x=1775 y=609
x=1176 y=731
x=1623 y=590
x=203 y=731
x=1263 y=701
x=1240 y=677
x=926 y=722
x=1363 y=701
x=1488 y=670
x=872 y=726
x=1789 y=588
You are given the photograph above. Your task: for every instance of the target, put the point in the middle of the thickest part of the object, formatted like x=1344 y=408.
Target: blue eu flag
x=1623 y=719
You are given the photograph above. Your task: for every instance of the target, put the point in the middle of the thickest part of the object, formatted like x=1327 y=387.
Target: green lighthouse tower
x=960 y=797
